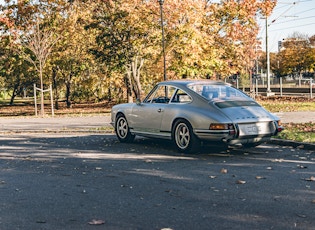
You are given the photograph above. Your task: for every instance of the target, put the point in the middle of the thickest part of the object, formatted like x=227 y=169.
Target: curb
x=295 y=144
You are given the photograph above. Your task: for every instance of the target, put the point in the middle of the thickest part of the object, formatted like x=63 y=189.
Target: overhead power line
x=292 y=27
x=293 y=20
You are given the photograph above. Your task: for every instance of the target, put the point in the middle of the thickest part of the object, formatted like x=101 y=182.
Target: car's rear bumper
x=224 y=136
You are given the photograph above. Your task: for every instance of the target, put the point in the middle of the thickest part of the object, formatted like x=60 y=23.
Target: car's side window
x=162 y=94
x=181 y=97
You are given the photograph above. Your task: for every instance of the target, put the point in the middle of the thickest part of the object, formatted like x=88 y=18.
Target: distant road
x=297 y=117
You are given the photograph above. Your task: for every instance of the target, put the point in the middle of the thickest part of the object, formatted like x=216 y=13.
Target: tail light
x=279 y=126
x=220 y=126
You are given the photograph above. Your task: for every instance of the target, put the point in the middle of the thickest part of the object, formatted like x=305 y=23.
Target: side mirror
x=138 y=101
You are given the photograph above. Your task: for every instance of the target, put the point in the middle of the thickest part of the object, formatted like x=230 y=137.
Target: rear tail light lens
x=280 y=127
x=231 y=129
x=215 y=126
x=219 y=126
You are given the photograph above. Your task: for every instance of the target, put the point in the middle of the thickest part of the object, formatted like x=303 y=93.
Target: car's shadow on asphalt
x=167 y=147
x=97 y=144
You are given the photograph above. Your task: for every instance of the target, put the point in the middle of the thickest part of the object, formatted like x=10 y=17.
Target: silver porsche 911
x=192 y=112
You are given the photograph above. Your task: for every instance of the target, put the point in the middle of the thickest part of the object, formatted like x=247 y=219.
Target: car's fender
x=199 y=118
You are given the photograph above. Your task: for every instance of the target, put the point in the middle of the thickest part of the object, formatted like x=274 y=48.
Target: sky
x=288 y=17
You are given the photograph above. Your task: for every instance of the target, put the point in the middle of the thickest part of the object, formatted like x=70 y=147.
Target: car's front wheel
x=122 y=129
x=184 y=138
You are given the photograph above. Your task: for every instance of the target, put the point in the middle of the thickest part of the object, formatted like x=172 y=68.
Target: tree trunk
x=14 y=93
x=54 y=80
x=128 y=83
x=68 y=87
x=136 y=69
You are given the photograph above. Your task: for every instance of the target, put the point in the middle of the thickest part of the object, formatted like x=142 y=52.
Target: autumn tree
x=111 y=45
x=40 y=43
x=212 y=40
x=72 y=67
x=17 y=74
x=237 y=34
x=123 y=39
x=297 y=56
x=30 y=39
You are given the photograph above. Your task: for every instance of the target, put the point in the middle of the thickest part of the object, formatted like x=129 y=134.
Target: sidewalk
x=54 y=124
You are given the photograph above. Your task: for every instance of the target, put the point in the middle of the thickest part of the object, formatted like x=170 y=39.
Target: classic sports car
x=191 y=112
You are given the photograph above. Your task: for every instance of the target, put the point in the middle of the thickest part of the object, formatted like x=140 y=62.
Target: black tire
x=122 y=130
x=184 y=138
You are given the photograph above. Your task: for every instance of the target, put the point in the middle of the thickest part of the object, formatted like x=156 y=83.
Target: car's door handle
x=160 y=110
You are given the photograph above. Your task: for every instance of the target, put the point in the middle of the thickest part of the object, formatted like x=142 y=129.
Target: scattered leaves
x=312 y=178
x=301 y=215
x=260 y=177
x=302 y=167
x=41 y=221
x=240 y=182
x=224 y=171
x=287 y=104
x=301 y=132
x=96 y=222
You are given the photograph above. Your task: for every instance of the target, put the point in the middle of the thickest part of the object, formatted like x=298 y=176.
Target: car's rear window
x=211 y=91
x=228 y=104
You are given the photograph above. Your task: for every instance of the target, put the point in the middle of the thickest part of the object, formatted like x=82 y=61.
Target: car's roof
x=185 y=82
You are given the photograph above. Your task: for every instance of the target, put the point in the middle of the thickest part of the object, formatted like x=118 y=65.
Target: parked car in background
x=192 y=112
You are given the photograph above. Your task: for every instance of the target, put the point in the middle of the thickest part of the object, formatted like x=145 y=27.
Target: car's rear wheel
x=184 y=138
x=122 y=129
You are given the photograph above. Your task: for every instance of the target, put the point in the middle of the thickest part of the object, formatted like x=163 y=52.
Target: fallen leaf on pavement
x=41 y=221
x=301 y=215
x=96 y=222
x=302 y=167
x=312 y=178
x=260 y=177
x=224 y=171
x=240 y=182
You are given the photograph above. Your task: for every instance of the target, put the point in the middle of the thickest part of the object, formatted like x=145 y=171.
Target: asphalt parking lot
x=64 y=173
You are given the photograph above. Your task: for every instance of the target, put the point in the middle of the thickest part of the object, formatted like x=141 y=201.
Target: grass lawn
x=303 y=132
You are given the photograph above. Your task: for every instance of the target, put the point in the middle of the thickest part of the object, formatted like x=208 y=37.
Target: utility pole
x=267 y=60
x=161 y=2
